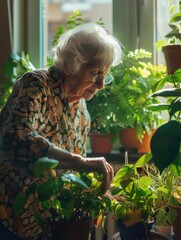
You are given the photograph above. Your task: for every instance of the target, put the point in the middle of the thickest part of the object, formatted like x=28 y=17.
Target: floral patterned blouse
x=36 y=116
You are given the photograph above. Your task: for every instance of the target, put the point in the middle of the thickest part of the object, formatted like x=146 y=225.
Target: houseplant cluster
x=123 y=103
x=144 y=190
x=70 y=199
x=143 y=196
x=148 y=197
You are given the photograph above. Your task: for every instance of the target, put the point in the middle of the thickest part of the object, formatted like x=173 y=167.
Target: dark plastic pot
x=138 y=231
x=177 y=223
x=172 y=54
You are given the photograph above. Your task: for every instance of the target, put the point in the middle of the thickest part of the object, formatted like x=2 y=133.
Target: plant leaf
x=175 y=106
x=165 y=144
x=161 y=218
x=169 y=92
x=45 y=191
x=73 y=178
x=175 y=18
x=161 y=83
x=144 y=182
x=177 y=75
x=143 y=160
x=158 y=107
x=42 y=165
x=19 y=203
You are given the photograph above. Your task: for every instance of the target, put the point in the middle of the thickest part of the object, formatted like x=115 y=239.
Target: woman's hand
x=100 y=165
x=76 y=162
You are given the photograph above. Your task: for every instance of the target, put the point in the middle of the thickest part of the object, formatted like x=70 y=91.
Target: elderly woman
x=46 y=115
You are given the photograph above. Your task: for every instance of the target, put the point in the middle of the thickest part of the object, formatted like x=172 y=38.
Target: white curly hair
x=88 y=44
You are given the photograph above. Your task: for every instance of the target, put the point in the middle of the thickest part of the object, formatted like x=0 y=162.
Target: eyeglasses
x=106 y=79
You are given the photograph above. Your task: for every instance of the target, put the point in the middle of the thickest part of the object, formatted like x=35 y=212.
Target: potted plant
x=136 y=191
x=166 y=141
x=143 y=195
x=104 y=127
x=129 y=91
x=134 y=207
x=74 y=201
x=168 y=134
x=171 y=45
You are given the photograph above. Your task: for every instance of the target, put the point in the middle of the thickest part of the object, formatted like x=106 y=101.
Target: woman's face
x=85 y=84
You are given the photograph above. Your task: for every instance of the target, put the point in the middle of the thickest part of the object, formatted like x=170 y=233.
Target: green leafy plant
x=133 y=186
x=67 y=196
x=134 y=78
x=166 y=142
x=123 y=103
x=102 y=108
x=15 y=66
x=174 y=35
x=144 y=193
x=166 y=147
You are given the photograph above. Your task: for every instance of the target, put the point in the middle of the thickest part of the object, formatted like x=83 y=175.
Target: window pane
x=91 y=10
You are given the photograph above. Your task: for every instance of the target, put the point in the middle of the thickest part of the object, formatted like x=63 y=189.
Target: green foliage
x=134 y=78
x=165 y=184
x=43 y=164
x=123 y=103
x=74 y=20
x=14 y=67
x=165 y=144
x=174 y=35
x=131 y=183
x=169 y=134
x=102 y=108
x=146 y=193
x=66 y=195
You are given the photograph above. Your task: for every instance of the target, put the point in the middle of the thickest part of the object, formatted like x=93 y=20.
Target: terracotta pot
x=68 y=230
x=130 y=143
x=100 y=143
x=172 y=54
x=177 y=223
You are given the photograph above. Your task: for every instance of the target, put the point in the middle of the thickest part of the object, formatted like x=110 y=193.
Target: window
x=136 y=23
x=59 y=11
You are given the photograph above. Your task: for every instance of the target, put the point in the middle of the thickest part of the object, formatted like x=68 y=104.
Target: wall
x=133 y=23
x=5 y=47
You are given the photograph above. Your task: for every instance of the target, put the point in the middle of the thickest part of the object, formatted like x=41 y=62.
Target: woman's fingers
x=102 y=166
x=106 y=169
x=108 y=174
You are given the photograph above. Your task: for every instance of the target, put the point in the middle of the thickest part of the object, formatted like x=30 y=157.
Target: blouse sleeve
x=22 y=119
